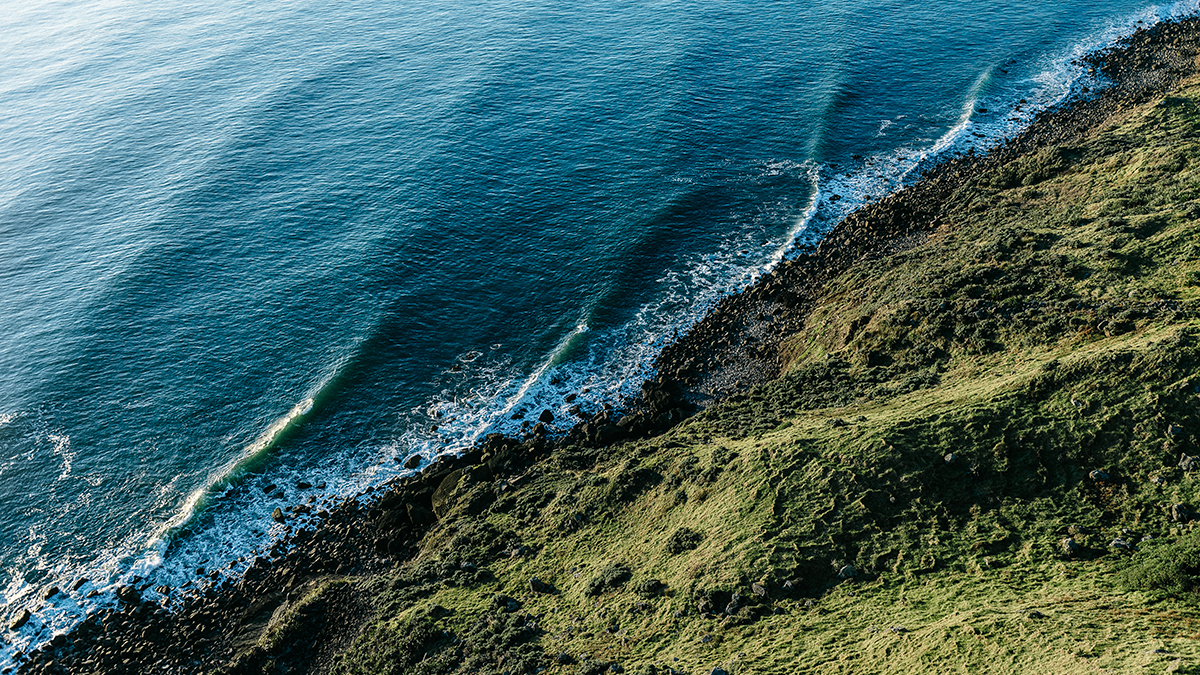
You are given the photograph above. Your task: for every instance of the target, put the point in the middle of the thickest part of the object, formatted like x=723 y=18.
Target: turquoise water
x=255 y=243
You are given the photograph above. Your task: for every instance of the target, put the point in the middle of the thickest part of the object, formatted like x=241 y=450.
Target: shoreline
x=713 y=361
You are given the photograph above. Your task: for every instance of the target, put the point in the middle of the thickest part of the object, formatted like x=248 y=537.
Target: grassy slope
x=1045 y=331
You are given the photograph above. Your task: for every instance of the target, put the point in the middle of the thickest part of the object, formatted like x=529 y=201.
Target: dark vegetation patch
x=609 y=577
x=1168 y=567
x=683 y=539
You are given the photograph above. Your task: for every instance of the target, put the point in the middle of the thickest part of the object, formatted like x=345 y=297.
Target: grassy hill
x=976 y=460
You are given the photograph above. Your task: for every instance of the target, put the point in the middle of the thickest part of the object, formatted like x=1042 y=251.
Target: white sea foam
x=62 y=448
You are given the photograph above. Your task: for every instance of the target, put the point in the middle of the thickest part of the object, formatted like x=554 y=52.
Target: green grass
x=935 y=430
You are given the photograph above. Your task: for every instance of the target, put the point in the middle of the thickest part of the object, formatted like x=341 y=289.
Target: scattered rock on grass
x=1181 y=513
x=1070 y=547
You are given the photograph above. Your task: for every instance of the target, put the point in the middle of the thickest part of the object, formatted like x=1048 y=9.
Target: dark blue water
x=254 y=243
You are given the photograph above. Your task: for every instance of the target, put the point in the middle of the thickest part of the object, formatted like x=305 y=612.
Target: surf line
x=551 y=361
x=255 y=452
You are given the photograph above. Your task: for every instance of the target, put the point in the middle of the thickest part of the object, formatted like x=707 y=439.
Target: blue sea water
x=257 y=243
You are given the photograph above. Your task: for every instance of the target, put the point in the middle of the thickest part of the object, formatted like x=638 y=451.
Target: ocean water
x=246 y=244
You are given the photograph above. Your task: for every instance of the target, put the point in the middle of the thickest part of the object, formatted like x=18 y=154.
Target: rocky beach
x=956 y=435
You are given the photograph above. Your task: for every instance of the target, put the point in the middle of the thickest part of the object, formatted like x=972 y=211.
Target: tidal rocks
x=19 y=620
x=412 y=462
x=277 y=515
x=129 y=595
x=546 y=417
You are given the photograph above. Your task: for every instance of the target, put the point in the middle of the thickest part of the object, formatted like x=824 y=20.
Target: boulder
x=1181 y=513
x=1188 y=463
x=538 y=586
x=442 y=500
x=129 y=595
x=19 y=620
x=412 y=462
x=277 y=515
x=1098 y=476
x=546 y=417
x=847 y=572
x=420 y=516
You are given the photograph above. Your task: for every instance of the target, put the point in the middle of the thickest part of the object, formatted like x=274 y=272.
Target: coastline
x=375 y=533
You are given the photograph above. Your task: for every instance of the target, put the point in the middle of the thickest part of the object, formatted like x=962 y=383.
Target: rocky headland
x=959 y=435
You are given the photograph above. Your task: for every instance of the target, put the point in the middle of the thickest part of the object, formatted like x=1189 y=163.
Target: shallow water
x=246 y=244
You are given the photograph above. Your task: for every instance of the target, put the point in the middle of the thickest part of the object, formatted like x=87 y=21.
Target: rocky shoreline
x=742 y=343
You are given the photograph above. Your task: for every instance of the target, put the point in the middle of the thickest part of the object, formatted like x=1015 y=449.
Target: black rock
x=21 y=619
x=546 y=417
x=303 y=486
x=847 y=572
x=1098 y=476
x=50 y=592
x=277 y=515
x=538 y=586
x=759 y=590
x=413 y=462
x=129 y=595
x=420 y=516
